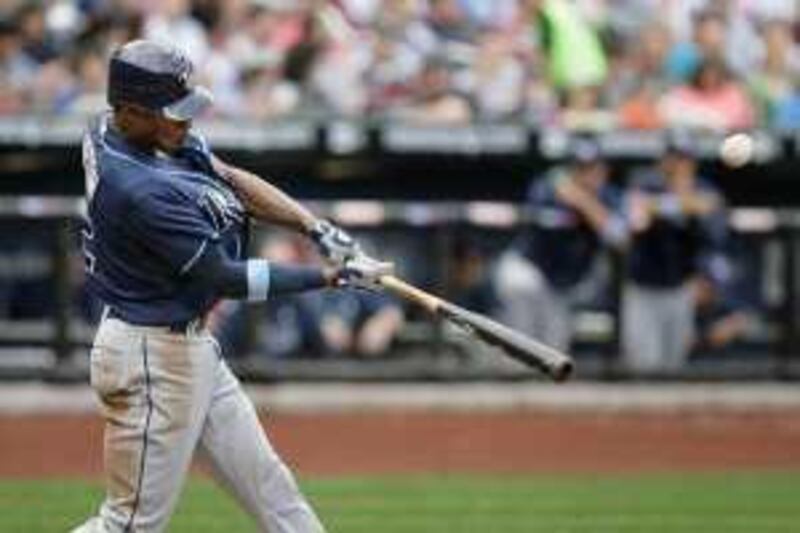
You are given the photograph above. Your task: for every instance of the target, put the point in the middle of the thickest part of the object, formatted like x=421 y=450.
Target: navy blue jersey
x=561 y=242
x=150 y=218
x=668 y=252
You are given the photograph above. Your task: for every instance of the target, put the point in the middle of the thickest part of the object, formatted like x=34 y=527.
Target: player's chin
x=170 y=145
x=171 y=134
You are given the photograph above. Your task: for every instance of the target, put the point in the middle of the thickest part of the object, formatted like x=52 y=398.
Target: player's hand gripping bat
x=529 y=351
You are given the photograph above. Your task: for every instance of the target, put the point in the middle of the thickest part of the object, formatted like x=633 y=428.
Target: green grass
x=707 y=503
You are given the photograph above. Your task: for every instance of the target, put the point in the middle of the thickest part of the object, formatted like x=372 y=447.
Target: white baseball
x=737 y=150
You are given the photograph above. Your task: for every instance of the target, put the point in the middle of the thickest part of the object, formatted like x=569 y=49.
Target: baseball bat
x=557 y=365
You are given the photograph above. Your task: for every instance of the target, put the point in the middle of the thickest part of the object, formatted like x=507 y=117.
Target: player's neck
x=140 y=143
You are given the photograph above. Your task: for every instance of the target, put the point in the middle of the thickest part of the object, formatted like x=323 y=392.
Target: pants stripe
x=149 y=400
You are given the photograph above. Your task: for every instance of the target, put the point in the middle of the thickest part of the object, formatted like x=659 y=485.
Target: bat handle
x=409 y=292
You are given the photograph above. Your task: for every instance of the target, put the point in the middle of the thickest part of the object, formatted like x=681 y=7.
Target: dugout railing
x=443 y=182
x=40 y=236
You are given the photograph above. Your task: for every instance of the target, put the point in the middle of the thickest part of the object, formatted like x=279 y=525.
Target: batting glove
x=364 y=272
x=334 y=243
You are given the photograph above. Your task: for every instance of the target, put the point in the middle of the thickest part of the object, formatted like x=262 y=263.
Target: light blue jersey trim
x=190 y=263
x=258 y=278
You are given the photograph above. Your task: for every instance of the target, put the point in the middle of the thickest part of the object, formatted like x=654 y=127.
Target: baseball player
x=164 y=240
x=676 y=218
x=575 y=211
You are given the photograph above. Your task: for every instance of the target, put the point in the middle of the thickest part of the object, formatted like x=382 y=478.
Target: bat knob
x=562 y=371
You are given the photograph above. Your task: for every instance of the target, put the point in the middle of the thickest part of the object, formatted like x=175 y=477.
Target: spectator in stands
x=89 y=69
x=743 y=45
x=495 y=78
x=53 y=89
x=361 y=323
x=639 y=111
x=339 y=66
x=450 y=24
x=541 y=60
x=574 y=211
x=630 y=20
x=106 y=31
x=37 y=42
x=773 y=81
x=639 y=63
x=712 y=101
x=498 y=14
x=709 y=34
x=395 y=65
x=575 y=55
x=583 y=110
x=172 y=22
x=675 y=216
x=786 y=115
x=434 y=102
x=223 y=71
x=17 y=70
x=267 y=93
x=404 y=22
x=541 y=103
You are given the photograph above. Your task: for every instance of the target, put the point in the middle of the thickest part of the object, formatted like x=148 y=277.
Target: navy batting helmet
x=157 y=77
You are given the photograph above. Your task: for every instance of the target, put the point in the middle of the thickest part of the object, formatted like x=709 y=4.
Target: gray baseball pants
x=530 y=304
x=658 y=328
x=162 y=394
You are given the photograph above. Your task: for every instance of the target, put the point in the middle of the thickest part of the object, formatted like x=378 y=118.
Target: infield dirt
x=396 y=441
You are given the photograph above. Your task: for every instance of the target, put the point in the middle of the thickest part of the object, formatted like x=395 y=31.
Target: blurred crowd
x=582 y=64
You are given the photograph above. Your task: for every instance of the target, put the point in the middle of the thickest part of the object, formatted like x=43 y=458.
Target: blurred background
x=513 y=156
x=615 y=177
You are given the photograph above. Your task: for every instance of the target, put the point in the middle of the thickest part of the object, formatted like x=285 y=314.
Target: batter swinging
x=164 y=240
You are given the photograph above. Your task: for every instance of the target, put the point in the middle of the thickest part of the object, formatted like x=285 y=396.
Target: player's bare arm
x=264 y=201
x=259 y=279
x=605 y=222
x=267 y=203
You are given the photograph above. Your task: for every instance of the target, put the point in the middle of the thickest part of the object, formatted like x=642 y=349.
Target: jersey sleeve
x=197 y=151
x=540 y=192
x=173 y=226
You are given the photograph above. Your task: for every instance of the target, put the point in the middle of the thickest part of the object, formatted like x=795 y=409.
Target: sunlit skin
x=680 y=172
x=592 y=176
x=150 y=130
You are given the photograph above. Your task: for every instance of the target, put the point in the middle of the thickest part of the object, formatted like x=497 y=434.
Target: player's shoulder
x=118 y=158
x=159 y=192
x=543 y=188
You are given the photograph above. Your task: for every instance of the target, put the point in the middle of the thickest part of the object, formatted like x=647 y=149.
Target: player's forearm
x=264 y=201
x=257 y=279
x=610 y=226
x=594 y=212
